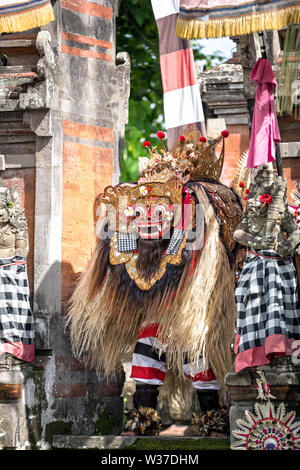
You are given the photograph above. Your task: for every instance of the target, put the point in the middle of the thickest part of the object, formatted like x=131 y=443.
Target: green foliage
x=137 y=34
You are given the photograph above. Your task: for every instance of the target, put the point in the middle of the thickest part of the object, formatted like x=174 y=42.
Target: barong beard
x=117 y=307
x=121 y=292
x=150 y=255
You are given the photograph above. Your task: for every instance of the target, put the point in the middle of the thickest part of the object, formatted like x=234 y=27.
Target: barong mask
x=159 y=207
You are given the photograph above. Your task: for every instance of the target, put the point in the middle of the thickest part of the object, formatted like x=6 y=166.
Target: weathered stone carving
x=40 y=94
x=267 y=223
x=13 y=226
x=46 y=64
x=123 y=77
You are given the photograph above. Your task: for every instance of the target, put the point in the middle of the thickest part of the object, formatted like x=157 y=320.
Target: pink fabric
x=25 y=352
x=278 y=345
x=265 y=131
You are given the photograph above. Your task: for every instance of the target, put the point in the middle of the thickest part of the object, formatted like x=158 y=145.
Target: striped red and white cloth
x=182 y=100
x=149 y=363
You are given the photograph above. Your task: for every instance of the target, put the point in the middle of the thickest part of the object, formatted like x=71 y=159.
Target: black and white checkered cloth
x=16 y=321
x=127 y=242
x=176 y=239
x=267 y=300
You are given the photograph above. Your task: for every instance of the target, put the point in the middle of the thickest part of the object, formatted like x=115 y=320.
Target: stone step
x=17 y=43
x=4 y=139
x=17 y=47
x=118 y=442
x=16 y=69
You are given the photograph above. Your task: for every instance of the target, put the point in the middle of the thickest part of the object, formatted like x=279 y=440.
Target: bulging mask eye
x=140 y=210
x=159 y=211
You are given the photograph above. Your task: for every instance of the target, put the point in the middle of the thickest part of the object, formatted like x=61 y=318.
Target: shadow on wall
x=51 y=297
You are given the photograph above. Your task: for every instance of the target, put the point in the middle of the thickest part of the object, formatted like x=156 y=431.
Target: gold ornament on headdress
x=198 y=154
x=192 y=157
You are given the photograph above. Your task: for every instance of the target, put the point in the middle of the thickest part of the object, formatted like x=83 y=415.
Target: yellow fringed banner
x=237 y=26
x=28 y=18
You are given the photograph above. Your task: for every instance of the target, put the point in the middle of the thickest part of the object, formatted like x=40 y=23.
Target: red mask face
x=151 y=216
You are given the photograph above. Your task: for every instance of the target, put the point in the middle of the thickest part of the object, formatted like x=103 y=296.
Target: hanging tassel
x=24 y=20
x=236 y=26
x=289 y=73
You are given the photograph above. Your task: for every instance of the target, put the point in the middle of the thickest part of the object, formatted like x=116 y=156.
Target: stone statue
x=39 y=94
x=13 y=226
x=268 y=314
x=46 y=63
x=16 y=322
x=267 y=223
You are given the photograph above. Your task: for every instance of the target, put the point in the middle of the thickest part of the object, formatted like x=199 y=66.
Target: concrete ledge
x=91 y=442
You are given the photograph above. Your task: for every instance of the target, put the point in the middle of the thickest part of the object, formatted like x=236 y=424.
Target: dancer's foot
x=211 y=423
x=144 y=421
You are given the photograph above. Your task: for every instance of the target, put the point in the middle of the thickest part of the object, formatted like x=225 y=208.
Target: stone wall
x=222 y=91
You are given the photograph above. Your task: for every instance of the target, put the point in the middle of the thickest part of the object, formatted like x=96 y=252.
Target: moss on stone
x=106 y=423
x=57 y=427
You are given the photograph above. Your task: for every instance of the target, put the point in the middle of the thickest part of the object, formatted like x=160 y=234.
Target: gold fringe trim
x=25 y=20
x=246 y=24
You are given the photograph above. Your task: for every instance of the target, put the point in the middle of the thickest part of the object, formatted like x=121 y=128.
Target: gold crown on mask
x=121 y=196
x=192 y=157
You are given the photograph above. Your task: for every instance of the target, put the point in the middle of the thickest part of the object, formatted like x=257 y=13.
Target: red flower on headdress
x=161 y=135
x=241 y=184
x=146 y=143
x=265 y=199
x=182 y=138
x=202 y=139
x=247 y=191
x=246 y=198
x=225 y=134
